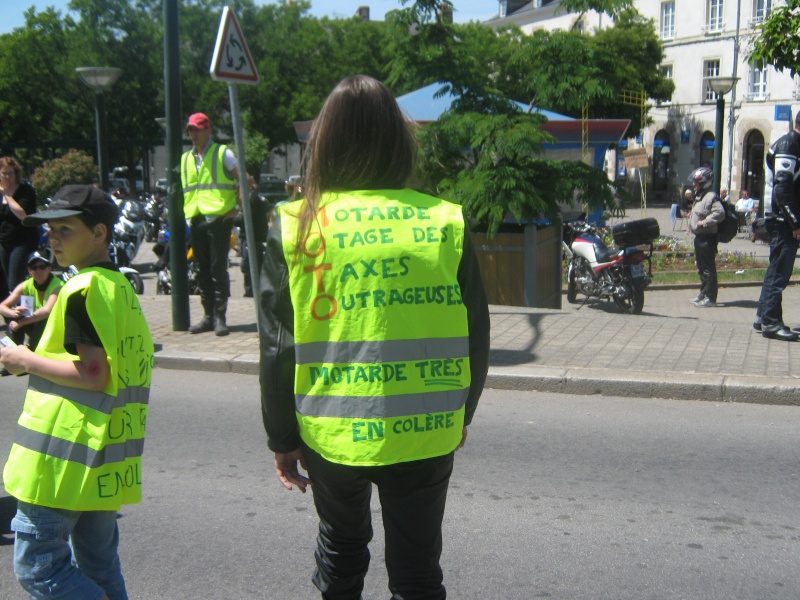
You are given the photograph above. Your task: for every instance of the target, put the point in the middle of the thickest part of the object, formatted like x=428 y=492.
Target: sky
x=465 y=10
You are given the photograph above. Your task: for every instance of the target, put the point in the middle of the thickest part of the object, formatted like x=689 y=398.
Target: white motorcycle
x=618 y=274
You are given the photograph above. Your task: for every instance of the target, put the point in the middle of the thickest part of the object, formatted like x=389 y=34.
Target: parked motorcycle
x=618 y=274
x=129 y=230
x=161 y=266
x=154 y=216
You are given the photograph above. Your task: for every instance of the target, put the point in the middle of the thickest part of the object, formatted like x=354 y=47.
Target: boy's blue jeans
x=67 y=554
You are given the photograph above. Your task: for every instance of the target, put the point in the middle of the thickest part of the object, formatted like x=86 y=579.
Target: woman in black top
x=17 y=242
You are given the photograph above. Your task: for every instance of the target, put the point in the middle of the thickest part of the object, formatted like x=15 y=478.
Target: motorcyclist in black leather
x=782 y=215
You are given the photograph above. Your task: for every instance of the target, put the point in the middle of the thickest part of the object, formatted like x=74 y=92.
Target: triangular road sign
x=232 y=61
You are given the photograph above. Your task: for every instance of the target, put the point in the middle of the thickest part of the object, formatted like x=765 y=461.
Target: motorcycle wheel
x=572 y=284
x=136 y=282
x=634 y=303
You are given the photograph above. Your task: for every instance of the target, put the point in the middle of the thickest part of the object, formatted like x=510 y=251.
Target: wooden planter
x=522 y=269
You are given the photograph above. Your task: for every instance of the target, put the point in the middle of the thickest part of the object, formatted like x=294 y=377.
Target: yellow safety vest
x=79 y=449
x=35 y=330
x=29 y=289
x=382 y=348
x=209 y=190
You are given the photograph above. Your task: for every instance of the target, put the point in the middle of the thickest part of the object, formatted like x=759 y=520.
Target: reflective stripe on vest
x=208 y=190
x=99 y=401
x=78 y=453
x=381 y=339
x=80 y=449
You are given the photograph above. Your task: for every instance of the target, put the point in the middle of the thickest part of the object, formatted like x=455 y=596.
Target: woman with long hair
x=374 y=344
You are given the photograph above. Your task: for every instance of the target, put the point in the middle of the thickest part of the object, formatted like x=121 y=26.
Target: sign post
x=233 y=64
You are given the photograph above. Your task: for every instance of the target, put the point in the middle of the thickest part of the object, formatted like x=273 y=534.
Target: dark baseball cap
x=73 y=200
x=38 y=257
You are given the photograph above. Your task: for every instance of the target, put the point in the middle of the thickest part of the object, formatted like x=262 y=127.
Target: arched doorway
x=661 y=152
x=706 y=151
x=753 y=164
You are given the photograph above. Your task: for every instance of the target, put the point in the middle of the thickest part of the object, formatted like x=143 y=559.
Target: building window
x=666 y=72
x=761 y=9
x=706 y=152
x=710 y=69
x=537 y=3
x=667 y=20
x=758 y=81
x=714 y=16
x=503 y=9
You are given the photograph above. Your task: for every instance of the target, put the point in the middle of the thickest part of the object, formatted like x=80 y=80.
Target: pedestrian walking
x=782 y=220
x=374 y=333
x=77 y=454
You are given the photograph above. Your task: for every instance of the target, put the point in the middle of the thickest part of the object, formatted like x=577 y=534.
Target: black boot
x=206 y=324
x=220 y=328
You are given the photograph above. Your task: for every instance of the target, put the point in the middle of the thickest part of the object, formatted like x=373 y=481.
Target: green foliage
x=256 y=151
x=628 y=56
x=610 y=7
x=558 y=70
x=778 y=40
x=299 y=58
x=75 y=167
x=485 y=153
x=499 y=175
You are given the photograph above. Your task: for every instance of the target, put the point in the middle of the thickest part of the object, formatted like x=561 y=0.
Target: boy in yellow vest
x=77 y=454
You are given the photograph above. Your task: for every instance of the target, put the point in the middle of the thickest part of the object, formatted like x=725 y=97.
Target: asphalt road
x=554 y=496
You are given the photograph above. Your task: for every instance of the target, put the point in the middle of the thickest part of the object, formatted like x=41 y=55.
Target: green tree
x=256 y=151
x=778 y=39
x=628 y=55
x=300 y=59
x=75 y=167
x=503 y=171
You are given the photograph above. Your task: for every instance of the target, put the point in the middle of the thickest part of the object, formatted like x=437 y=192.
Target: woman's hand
x=463 y=438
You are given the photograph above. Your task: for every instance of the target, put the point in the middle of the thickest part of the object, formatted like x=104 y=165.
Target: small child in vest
x=76 y=458
x=29 y=304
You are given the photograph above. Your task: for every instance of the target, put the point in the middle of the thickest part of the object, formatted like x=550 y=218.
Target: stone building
x=701 y=39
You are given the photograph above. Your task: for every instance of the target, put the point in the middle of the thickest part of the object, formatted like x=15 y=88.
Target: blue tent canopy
x=422 y=105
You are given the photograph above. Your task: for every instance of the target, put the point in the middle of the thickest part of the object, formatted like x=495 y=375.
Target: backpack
x=729 y=227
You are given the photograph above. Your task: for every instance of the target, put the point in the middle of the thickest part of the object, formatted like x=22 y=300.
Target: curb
x=784 y=391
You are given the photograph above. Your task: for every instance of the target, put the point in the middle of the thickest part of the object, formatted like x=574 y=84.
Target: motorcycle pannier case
x=635 y=233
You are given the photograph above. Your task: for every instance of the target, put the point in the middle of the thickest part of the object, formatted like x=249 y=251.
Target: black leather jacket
x=276 y=331
x=782 y=184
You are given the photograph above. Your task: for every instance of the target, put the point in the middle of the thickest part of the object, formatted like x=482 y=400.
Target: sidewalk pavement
x=671 y=350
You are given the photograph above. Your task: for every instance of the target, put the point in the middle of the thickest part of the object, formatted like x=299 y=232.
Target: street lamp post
x=721 y=85
x=100 y=79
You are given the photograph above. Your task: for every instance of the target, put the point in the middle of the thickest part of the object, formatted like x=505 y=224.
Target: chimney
x=363 y=13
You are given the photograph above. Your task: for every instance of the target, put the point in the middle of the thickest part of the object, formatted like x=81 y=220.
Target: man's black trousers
x=210 y=245
x=412 y=496
x=705 y=253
